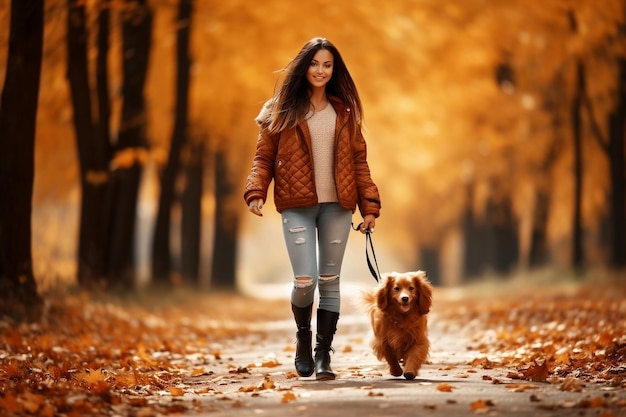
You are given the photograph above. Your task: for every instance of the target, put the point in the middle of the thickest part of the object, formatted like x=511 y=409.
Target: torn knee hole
x=326 y=279
x=297 y=229
x=303 y=281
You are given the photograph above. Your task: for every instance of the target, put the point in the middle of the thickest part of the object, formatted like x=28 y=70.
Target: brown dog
x=398 y=309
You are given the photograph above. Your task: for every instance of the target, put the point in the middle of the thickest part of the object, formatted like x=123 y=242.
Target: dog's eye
x=396 y=288
x=411 y=288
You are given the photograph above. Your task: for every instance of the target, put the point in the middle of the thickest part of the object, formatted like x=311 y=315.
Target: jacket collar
x=343 y=111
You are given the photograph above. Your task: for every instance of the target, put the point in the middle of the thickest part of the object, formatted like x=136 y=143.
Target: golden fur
x=398 y=309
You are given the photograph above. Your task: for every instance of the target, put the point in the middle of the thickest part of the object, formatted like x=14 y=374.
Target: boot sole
x=325 y=377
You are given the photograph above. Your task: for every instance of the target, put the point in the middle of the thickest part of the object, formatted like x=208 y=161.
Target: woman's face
x=321 y=69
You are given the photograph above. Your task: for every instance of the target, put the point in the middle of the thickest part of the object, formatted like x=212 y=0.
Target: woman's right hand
x=256 y=206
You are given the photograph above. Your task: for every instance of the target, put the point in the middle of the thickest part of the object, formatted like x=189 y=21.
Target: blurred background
x=495 y=134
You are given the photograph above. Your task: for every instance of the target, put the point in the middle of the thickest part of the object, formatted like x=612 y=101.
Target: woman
x=310 y=143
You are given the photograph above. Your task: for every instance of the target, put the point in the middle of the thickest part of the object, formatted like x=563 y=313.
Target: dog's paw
x=410 y=375
x=395 y=370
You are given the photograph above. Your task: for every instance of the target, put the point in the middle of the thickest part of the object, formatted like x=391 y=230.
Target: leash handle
x=369 y=245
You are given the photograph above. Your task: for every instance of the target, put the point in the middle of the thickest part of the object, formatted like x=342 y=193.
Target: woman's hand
x=255 y=206
x=369 y=221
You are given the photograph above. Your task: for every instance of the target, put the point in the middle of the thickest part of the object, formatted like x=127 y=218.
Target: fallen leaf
x=481 y=406
x=204 y=390
x=10 y=405
x=267 y=383
x=594 y=402
x=537 y=372
x=515 y=387
x=478 y=405
x=483 y=363
x=32 y=402
x=144 y=355
x=445 y=387
x=176 y=392
x=571 y=384
x=288 y=397
x=197 y=372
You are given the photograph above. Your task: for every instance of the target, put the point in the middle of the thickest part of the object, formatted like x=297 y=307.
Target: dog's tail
x=369 y=297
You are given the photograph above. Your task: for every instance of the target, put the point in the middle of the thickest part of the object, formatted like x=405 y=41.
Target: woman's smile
x=321 y=68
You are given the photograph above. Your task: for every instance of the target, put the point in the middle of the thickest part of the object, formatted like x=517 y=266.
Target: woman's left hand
x=369 y=221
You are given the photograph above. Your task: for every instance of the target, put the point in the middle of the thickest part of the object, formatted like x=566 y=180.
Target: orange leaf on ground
x=571 y=384
x=197 y=371
x=519 y=387
x=445 y=387
x=478 y=405
x=32 y=402
x=289 y=396
x=10 y=405
x=144 y=355
x=176 y=392
x=537 y=372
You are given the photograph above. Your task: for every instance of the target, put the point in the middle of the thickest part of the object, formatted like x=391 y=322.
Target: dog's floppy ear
x=424 y=292
x=382 y=295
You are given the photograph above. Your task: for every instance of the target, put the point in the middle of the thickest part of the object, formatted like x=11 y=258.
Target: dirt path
x=257 y=377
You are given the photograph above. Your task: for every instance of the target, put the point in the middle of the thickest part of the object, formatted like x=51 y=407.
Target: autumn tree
x=109 y=182
x=161 y=255
x=93 y=149
x=616 y=148
x=18 y=110
x=226 y=223
x=132 y=143
x=191 y=208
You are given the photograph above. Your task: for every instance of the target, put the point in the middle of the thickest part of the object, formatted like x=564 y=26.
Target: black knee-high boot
x=326 y=328
x=304 y=357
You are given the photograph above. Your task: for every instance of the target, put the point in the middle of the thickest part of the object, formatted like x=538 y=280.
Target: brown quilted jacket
x=287 y=158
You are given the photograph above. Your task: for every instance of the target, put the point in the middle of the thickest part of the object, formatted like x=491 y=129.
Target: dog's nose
x=405 y=299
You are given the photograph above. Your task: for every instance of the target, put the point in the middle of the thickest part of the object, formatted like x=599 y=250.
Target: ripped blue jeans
x=320 y=230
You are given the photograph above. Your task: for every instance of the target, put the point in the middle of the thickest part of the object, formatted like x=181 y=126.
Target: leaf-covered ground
x=193 y=353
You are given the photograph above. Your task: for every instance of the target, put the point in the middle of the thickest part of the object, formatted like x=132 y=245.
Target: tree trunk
x=103 y=149
x=506 y=239
x=576 y=120
x=430 y=263
x=226 y=228
x=576 y=115
x=136 y=40
x=474 y=248
x=93 y=176
x=617 y=126
x=192 y=215
x=539 y=238
x=161 y=262
x=18 y=114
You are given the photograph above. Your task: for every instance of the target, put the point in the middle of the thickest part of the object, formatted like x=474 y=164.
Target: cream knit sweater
x=322 y=130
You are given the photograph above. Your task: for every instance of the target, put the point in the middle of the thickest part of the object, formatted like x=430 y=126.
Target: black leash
x=369 y=245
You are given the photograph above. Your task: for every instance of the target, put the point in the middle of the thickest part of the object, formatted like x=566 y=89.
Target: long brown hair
x=290 y=104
